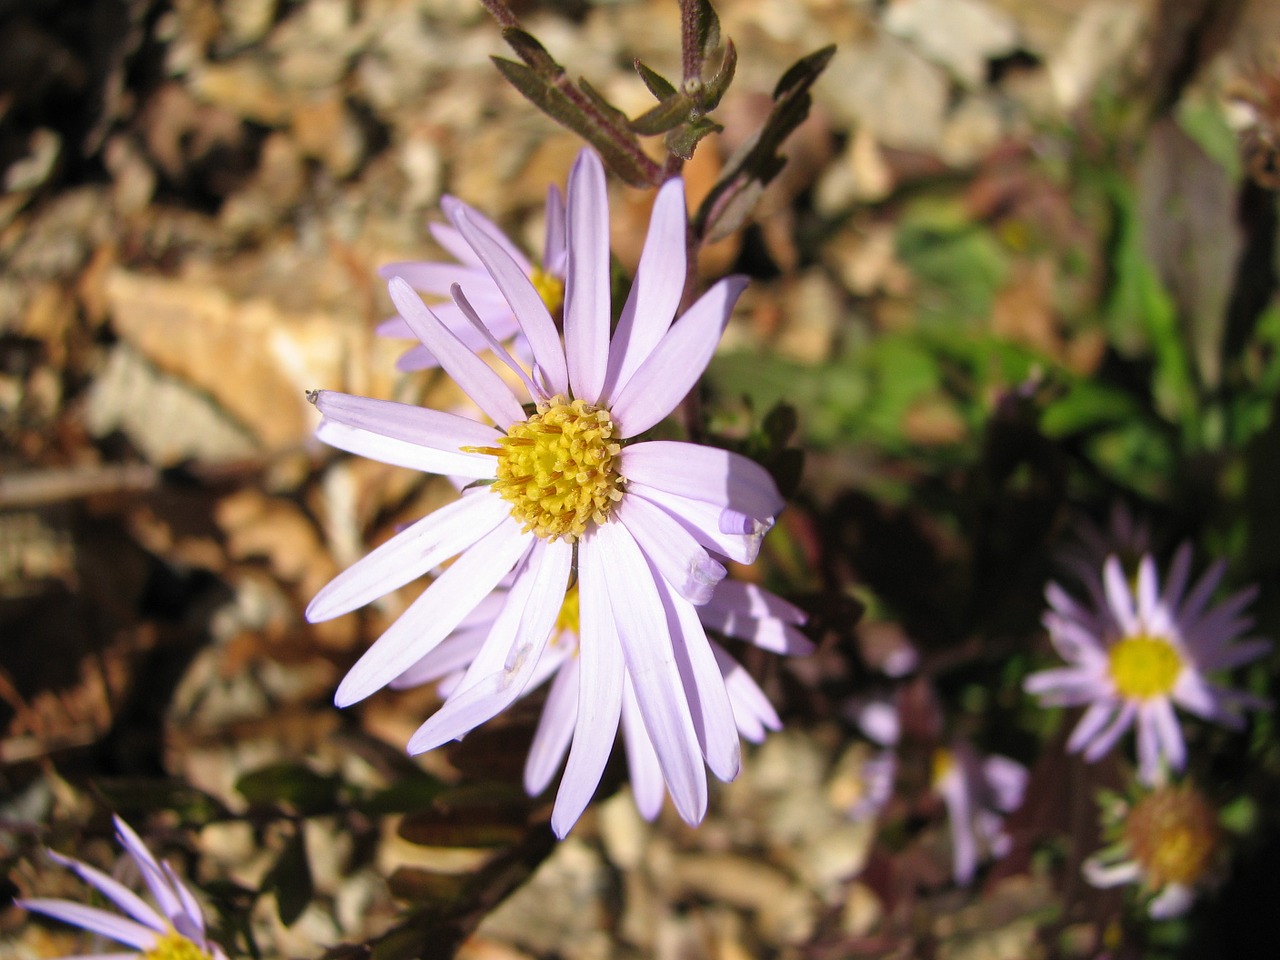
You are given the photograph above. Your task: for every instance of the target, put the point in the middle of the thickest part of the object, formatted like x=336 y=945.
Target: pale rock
x=560 y=909
x=247 y=21
x=255 y=360
x=961 y=35
x=859 y=174
x=974 y=128
x=813 y=312
x=1105 y=35
x=31 y=171
x=164 y=418
x=884 y=85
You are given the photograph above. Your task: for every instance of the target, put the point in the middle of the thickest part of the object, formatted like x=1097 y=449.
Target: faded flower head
x=436 y=278
x=562 y=486
x=1168 y=841
x=1143 y=650
x=174 y=931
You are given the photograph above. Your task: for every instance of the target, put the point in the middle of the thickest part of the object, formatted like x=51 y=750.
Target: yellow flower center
x=1142 y=666
x=550 y=288
x=943 y=761
x=567 y=618
x=556 y=469
x=174 y=946
x=1173 y=834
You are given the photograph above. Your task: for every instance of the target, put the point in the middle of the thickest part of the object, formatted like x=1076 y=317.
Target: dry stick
x=39 y=487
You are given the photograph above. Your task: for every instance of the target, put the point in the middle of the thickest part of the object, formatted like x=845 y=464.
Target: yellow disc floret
x=174 y=946
x=556 y=469
x=1173 y=835
x=550 y=288
x=567 y=618
x=1142 y=666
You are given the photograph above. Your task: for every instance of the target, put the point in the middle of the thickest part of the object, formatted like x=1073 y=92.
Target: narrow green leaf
x=708 y=31
x=715 y=88
x=553 y=101
x=658 y=85
x=684 y=139
x=532 y=52
x=665 y=116
x=758 y=161
x=616 y=116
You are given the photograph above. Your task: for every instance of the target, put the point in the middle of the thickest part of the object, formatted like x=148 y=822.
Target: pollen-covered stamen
x=1143 y=666
x=550 y=288
x=556 y=469
x=1173 y=835
x=174 y=946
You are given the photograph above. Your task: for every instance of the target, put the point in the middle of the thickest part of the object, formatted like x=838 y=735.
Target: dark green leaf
x=682 y=140
x=532 y=52
x=665 y=116
x=555 y=103
x=403 y=796
x=730 y=201
x=194 y=807
x=290 y=879
x=658 y=85
x=780 y=423
x=294 y=784
x=715 y=88
x=708 y=28
x=616 y=117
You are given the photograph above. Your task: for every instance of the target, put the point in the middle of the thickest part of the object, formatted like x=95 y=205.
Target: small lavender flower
x=1143 y=651
x=556 y=491
x=739 y=610
x=1168 y=842
x=437 y=278
x=977 y=792
x=174 y=932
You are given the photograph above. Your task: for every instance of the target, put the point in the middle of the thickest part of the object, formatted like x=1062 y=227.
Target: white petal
x=586 y=296
x=727 y=479
x=647 y=786
x=681 y=560
x=528 y=306
x=651 y=664
x=704 y=687
x=678 y=361
x=600 y=679
x=655 y=295
x=472 y=374
x=410 y=554
x=436 y=612
x=702 y=520
x=492 y=684
x=555 y=729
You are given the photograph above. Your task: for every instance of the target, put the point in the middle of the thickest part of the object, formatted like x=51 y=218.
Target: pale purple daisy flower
x=175 y=931
x=738 y=610
x=436 y=279
x=1145 y=650
x=978 y=792
x=556 y=490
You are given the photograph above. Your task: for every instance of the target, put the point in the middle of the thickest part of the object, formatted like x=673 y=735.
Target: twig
x=39 y=487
